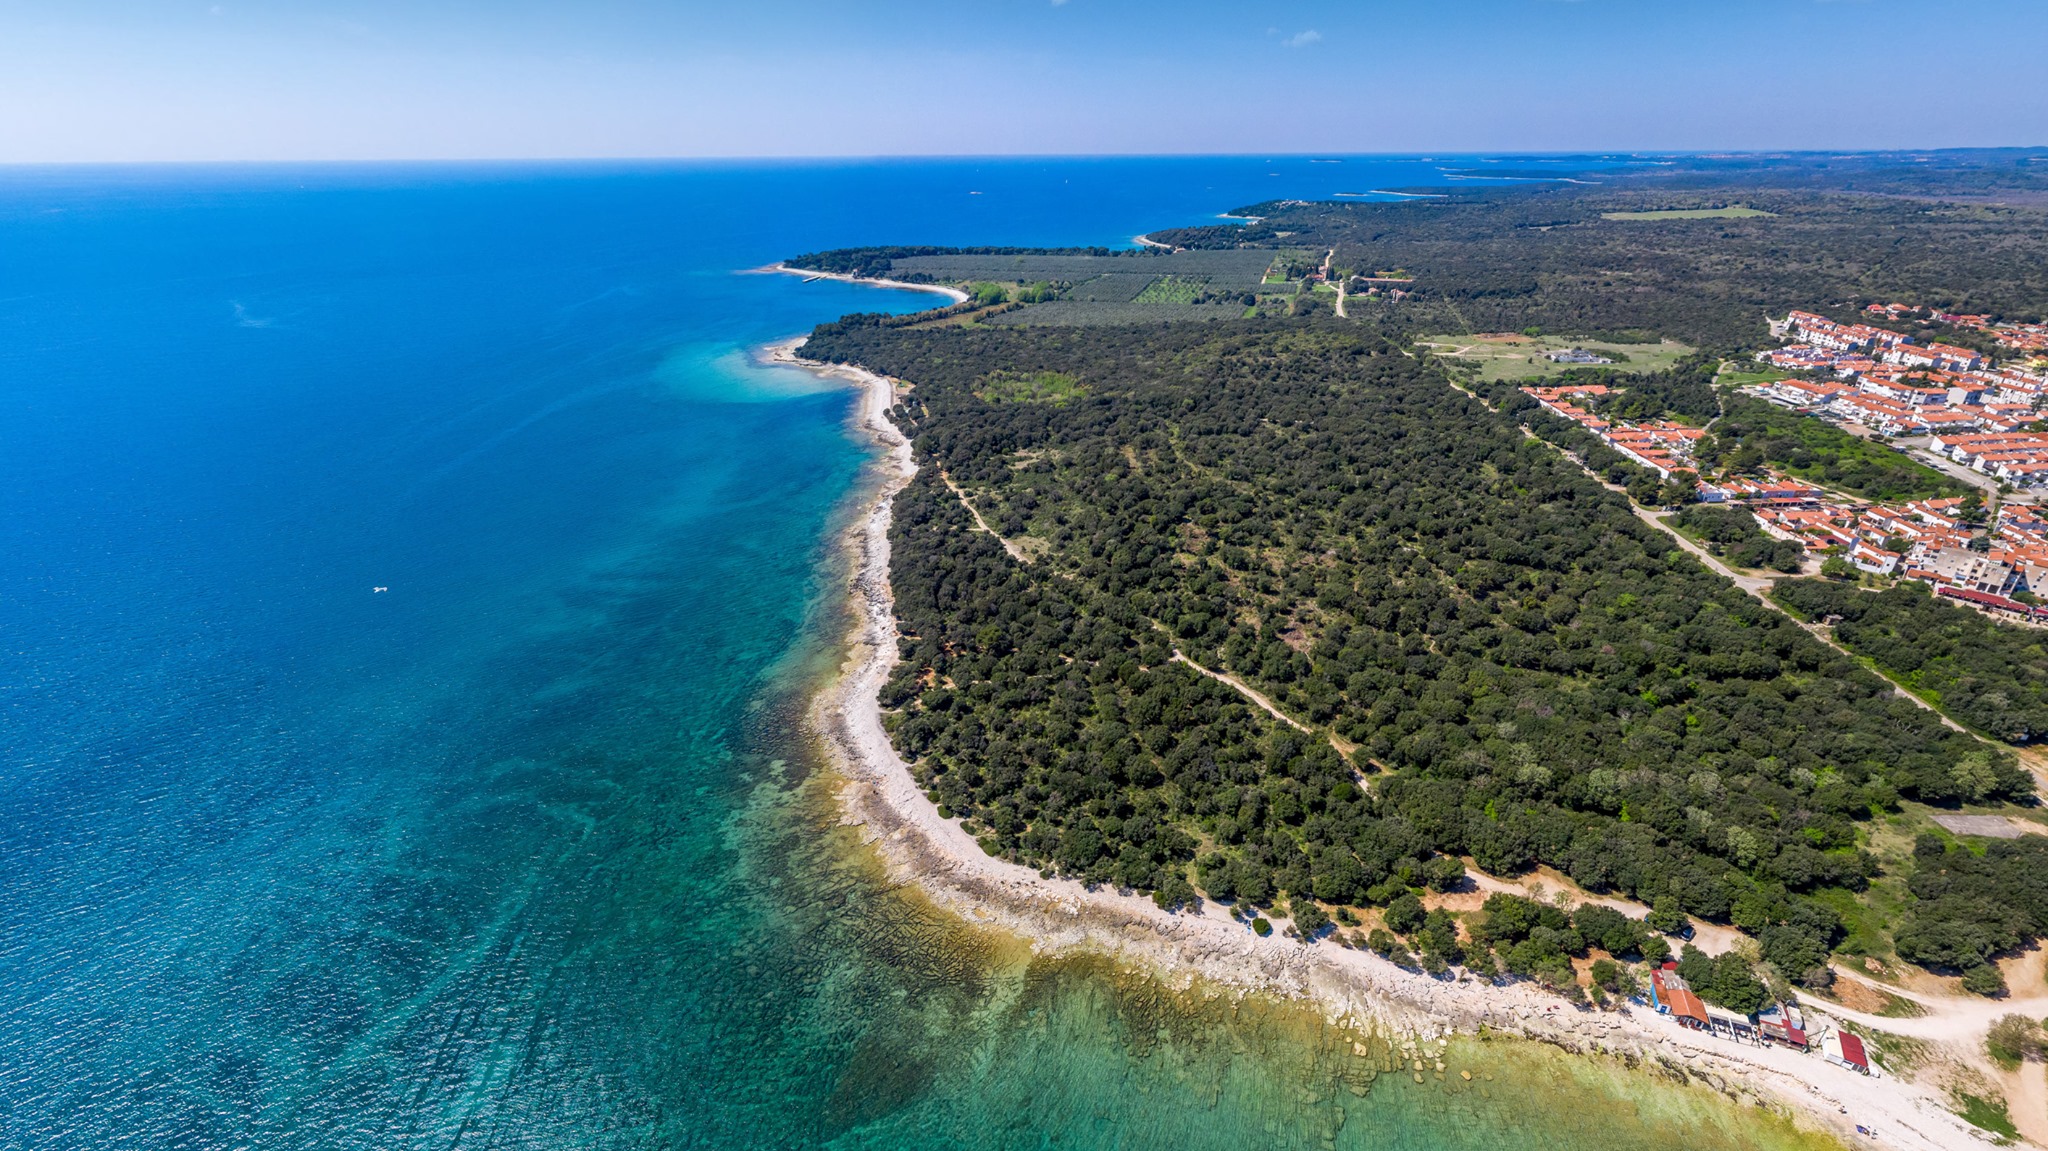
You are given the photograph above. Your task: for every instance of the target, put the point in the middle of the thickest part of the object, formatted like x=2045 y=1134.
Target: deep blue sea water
x=523 y=850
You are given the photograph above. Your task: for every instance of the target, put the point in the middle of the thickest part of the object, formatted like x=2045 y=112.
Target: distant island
x=1601 y=611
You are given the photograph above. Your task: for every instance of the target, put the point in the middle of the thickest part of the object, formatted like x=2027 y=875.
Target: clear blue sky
x=364 y=79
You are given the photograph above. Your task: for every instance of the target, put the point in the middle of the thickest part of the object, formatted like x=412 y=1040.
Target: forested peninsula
x=1495 y=658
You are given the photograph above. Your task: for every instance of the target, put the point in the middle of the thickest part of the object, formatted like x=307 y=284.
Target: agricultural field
x=1110 y=289
x=1084 y=314
x=1173 y=290
x=1732 y=212
x=1086 y=287
x=1094 y=289
x=1225 y=270
x=1510 y=356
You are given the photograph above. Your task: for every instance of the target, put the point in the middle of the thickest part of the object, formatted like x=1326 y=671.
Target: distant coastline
x=1356 y=990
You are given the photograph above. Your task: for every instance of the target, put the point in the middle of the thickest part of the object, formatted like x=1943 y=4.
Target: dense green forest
x=877 y=261
x=1547 y=257
x=1989 y=675
x=1516 y=668
x=1753 y=433
x=1685 y=391
x=1971 y=907
x=1732 y=534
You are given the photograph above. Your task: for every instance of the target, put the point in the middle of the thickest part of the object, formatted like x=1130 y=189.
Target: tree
x=1697 y=968
x=1173 y=892
x=1666 y=916
x=1539 y=677
x=1438 y=937
x=1835 y=567
x=1985 y=980
x=1405 y=913
x=1681 y=488
x=1309 y=918
x=1735 y=985
x=1444 y=873
x=1625 y=983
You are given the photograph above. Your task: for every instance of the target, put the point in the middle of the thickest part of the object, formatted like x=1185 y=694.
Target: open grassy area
x=1742 y=377
x=1509 y=356
x=1989 y=1114
x=1732 y=212
x=1054 y=388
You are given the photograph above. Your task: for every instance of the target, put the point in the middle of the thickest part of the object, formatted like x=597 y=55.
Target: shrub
x=2015 y=1038
x=1309 y=918
x=1606 y=973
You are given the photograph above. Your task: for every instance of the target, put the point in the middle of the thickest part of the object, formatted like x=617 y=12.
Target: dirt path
x=1757 y=586
x=1327 y=258
x=2026 y=1100
x=1249 y=692
x=1760 y=587
x=2023 y=971
x=1016 y=553
x=1358 y=991
x=1343 y=747
x=1948 y=1020
x=2035 y=760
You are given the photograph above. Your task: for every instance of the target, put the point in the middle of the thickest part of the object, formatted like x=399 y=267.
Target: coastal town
x=1867 y=379
x=1977 y=420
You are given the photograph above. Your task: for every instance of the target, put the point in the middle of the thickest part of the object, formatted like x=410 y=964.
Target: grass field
x=1733 y=212
x=1505 y=356
x=1744 y=377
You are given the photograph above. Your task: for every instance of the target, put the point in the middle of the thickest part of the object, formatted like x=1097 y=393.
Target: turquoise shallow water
x=529 y=849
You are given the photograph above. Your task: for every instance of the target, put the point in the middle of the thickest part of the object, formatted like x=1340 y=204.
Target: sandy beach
x=954 y=294
x=1354 y=989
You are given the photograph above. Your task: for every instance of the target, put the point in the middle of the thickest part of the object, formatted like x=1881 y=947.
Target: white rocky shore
x=1353 y=988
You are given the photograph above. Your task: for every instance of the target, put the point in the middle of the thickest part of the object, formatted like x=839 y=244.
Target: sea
x=411 y=585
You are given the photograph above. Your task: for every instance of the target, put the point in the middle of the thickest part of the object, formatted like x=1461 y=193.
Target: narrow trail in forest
x=1246 y=690
x=1016 y=553
x=1344 y=748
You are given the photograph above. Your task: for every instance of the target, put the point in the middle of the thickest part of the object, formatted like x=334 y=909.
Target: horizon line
x=879 y=157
